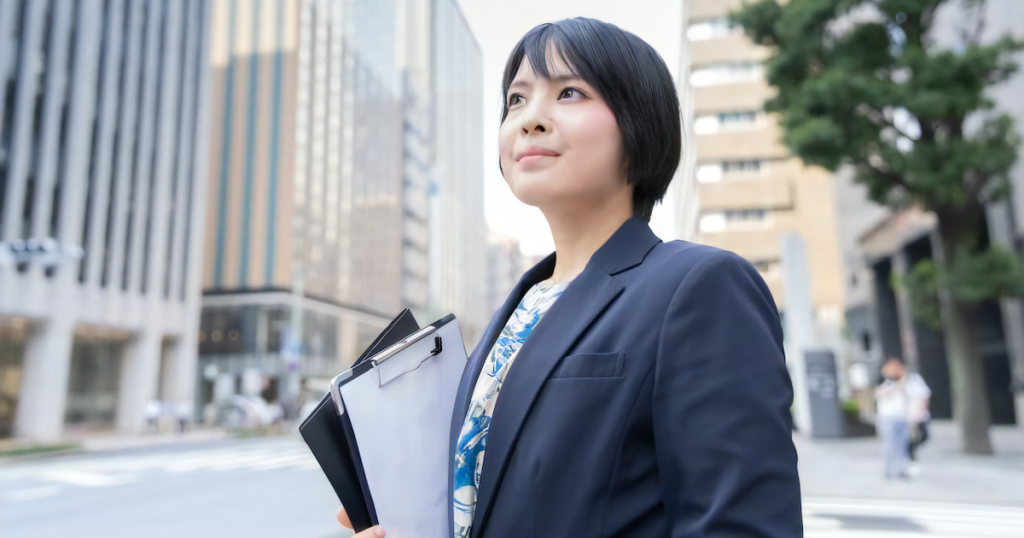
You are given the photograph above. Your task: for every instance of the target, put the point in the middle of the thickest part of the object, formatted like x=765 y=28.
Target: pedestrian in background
x=902 y=404
x=152 y=413
x=183 y=414
x=918 y=418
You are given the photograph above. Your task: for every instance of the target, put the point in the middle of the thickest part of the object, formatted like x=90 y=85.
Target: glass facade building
x=335 y=130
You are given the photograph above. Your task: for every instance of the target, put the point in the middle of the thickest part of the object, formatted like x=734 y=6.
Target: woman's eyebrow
x=556 y=79
x=564 y=78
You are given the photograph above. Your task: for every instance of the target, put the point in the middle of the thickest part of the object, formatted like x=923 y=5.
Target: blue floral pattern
x=469 y=452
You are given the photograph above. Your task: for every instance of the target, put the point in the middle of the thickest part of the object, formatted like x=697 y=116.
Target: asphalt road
x=253 y=488
x=272 y=487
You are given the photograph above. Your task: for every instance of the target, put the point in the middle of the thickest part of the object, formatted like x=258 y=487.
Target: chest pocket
x=590 y=365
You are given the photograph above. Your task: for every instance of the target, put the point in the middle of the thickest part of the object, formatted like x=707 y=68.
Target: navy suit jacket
x=652 y=400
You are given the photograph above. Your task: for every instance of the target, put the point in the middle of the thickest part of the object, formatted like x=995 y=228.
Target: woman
x=902 y=406
x=627 y=387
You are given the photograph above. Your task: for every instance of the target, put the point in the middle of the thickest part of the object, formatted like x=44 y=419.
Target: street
x=271 y=487
x=249 y=488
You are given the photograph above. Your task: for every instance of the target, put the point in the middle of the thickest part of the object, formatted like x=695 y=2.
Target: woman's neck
x=578 y=235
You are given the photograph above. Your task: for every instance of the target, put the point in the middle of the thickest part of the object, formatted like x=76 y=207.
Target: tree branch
x=878 y=118
x=893 y=177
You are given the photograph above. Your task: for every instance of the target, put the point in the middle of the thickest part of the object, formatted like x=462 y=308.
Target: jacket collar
x=626 y=248
x=581 y=303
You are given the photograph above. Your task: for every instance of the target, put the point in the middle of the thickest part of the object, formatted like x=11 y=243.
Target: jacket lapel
x=476 y=359
x=583 y=301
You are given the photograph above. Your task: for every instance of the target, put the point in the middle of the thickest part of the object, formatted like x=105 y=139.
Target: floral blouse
x=469 y=452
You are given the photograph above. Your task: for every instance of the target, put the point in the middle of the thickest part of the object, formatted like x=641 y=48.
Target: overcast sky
x=498 y=26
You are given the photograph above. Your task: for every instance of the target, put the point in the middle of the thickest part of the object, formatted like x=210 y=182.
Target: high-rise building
x=683 y=192
x=102 y=156
x=303 y=249
x=442 y=68
x=751 y=189
x=506 y=264
x=341 y=188
x=459 y=246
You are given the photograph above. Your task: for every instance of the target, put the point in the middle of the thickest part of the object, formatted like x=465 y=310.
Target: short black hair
x=635 y=83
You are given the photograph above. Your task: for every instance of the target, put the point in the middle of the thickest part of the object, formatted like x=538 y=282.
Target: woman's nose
x=534 y=119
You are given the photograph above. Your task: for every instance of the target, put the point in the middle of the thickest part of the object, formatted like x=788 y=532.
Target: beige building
x=750 y=188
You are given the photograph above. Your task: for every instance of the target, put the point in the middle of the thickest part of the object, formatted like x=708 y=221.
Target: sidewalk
x=852 y=468
x=92 y=441
x=118 y=441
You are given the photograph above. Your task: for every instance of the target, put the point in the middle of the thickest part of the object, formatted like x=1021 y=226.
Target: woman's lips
x=535 y=153
x=533 y=158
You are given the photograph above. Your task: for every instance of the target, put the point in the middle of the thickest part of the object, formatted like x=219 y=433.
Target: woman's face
x=560 y=146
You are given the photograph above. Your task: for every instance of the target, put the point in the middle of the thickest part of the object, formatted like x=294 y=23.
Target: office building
x=442 y=69
x=507 y=265
x=684 y=191
x=334 y=201
x=103 y=148
x=750 y=189
x=459 y=245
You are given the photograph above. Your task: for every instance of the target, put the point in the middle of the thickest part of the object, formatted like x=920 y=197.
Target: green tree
x=862 y=83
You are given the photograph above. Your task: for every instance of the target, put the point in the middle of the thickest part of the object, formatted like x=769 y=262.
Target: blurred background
x=209 y=208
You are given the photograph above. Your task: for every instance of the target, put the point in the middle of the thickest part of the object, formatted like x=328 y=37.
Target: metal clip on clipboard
x=437 y=349
x=386 y=354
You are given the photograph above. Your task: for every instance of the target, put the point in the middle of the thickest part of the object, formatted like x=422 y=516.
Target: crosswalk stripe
x=33 y=493
x=283 y=461
x=828 y=518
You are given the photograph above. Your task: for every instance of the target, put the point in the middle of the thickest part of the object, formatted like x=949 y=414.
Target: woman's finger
x=343 y=518
x=373 y=532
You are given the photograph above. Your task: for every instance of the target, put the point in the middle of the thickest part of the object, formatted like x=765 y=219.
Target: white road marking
x=875 y=518
x=33 y=493
x=87 y=479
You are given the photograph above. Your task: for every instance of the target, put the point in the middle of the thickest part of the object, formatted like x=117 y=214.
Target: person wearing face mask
x=902 y=404
x=627 y=387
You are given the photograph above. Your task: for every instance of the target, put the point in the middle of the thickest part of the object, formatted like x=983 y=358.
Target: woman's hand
x=373 y=532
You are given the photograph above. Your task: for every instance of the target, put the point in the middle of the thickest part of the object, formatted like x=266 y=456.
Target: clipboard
x=324 y=432
x=393 y=409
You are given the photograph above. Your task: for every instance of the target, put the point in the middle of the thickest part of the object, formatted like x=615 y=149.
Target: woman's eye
x=569 y=93
x=515 y=99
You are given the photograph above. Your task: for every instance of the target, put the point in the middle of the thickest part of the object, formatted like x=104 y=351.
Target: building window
x=133 y=204
x=107 y=271
x=726 y=121
x=709 y=29
x=745 y=215
x=709 y=173
x=734 y=220
x=11 y=56
x=737 y=118
x=743 y=166
x=731 y=169
x=94 y=140
x=158 y=141
x=725 y=73
x=196 y=126
x=768 y=269
x=220 y=330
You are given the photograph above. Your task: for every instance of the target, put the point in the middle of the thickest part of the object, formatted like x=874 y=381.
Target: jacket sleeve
x=721 y=408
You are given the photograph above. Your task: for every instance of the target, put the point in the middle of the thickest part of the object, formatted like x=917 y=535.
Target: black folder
x=330 y=437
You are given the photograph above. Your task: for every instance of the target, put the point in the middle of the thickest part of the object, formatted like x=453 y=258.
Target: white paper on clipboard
x=402 y=428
